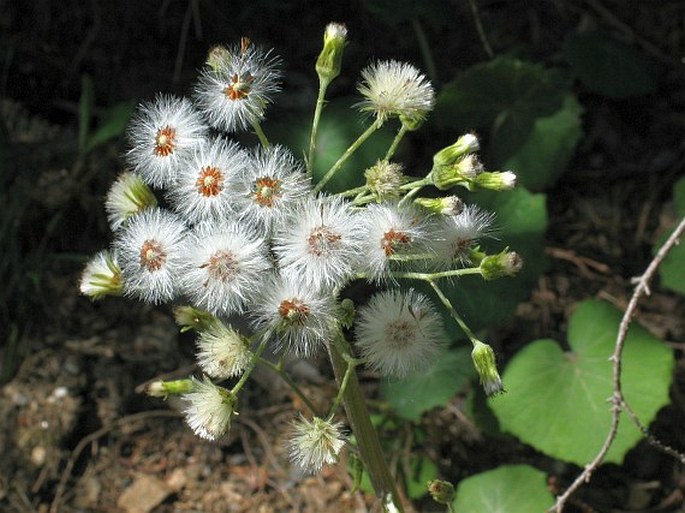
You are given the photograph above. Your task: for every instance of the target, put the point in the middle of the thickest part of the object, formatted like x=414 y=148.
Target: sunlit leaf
x=557 y=401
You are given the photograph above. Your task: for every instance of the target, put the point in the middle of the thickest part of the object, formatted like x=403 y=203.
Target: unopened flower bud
x=128 y=196
x=446 y=206
x=101 y=277
x=190 y=318
x=467 y=143
x=217 y=56
x=495 y=180
x=462 y=172
x=506 y=263
x=441 y=491
x=330 y=59
x=484 y=361
x=161 y=388
x=384 y=180
x=347 y=313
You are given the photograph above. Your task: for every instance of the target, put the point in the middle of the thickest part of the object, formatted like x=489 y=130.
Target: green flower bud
x=161 y=388
x=217 y=56
x=484 y=361
x=190 y=318
x=329 y=62
x=101 y=277
x=461 y=172
x=347 y=313
x=442 y=492
x=445 y=206
x=384 y=180
x=467 y=143
x=506 y=263
x=495 y=180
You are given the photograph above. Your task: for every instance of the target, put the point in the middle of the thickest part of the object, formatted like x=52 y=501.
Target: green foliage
x=504 y=95
x=609 y=67
x=522 y=222
x=672 y=270
x=558 y=401
x=111 y=124
x=506 y=489
x=543 y=157
x=412 y=396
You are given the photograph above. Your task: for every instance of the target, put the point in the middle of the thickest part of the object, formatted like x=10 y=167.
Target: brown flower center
x=322 y=241
x=152 y=255
x=210 y=182
x=221 y=266
x=240 y=86
x=293 y=311
x=165 y=141
x=400 y=333
x=392 y=240
x=266 y=190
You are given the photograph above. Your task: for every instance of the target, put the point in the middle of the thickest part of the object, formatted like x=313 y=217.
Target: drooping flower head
x=209 y=409
x=225 y=266
x=399 y=332
x=319 y=243
x=101 y=276
x=301 y=317
x=162 y=133
x=396 y=89
x=271 y=184
x=315 y=443
x=127 y=196
x=222 y=351
x=150 y=251
x=235 y=89
x=205 y=188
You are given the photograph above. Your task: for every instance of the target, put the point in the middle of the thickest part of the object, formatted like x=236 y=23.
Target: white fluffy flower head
x=225 y=267
x=205 y=187
x=301 y=317
x=460 y=233
x=234 y=92
x=315 y=444
x=320 y=242
x=162 y=133
x=399 y=332
x=271 y=184
x=150 y=252
x=390 y=232
x=222 y=351
x=392 y=88
x=209 y=409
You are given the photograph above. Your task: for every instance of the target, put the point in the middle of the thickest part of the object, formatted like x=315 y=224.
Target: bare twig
x=618 y=402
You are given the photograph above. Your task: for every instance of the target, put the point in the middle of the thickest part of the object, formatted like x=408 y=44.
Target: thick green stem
x=358 y=416
x=348 y=153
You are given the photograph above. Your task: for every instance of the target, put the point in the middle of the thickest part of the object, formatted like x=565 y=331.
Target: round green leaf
x=506 y=489
x=412 y=396
x=541 y=160
x=557 y=402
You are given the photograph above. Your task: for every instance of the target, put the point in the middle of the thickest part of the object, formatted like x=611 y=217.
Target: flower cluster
x=237 y=231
